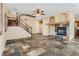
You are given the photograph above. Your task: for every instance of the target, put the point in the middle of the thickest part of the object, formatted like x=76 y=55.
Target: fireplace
x=61 y=31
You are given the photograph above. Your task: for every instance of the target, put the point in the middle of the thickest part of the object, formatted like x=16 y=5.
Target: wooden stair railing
x=25 y=26
x=23 y=23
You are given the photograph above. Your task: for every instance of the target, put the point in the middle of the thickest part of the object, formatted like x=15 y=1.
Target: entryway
x=77 y=29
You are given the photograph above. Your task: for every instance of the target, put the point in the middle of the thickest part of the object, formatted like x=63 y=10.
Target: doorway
x=77 y=29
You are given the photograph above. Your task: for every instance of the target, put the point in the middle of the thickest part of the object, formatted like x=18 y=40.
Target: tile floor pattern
x=52 y=47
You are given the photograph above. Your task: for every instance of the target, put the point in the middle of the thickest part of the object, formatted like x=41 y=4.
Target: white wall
x=71 y=26
x=45 y=27
x=2 y=43
x=15 y=32
x=46 y=30
x=38 y=27
x=52 y=30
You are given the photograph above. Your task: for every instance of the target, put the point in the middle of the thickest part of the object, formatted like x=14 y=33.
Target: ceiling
x=50 y=9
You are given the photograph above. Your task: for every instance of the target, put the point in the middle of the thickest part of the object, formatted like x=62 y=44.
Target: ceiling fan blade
x=42 y=11
x=43 y=14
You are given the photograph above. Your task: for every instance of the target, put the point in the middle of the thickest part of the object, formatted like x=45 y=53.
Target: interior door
x=77 y=28
x=12 y=23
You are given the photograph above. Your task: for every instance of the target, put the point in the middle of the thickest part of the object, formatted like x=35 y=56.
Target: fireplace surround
x=61 y=31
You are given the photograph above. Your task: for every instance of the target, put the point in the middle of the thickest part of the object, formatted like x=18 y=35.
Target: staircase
x=25 y=26
x=22 y=30
x=16 y=32
x=19 y=30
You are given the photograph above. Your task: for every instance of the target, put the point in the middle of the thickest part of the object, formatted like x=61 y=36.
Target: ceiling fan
x=39 y=12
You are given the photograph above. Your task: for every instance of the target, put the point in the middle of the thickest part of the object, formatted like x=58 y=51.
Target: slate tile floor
x=54 y=48
x=62 y=49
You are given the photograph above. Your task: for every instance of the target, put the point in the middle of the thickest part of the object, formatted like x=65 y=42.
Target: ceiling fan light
x=38 y=14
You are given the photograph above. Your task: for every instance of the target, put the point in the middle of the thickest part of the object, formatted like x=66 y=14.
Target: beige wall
x=2 y=37
x=10 y=12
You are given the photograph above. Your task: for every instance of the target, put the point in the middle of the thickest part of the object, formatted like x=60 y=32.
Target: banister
x=25 y=23
x=25 y=26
